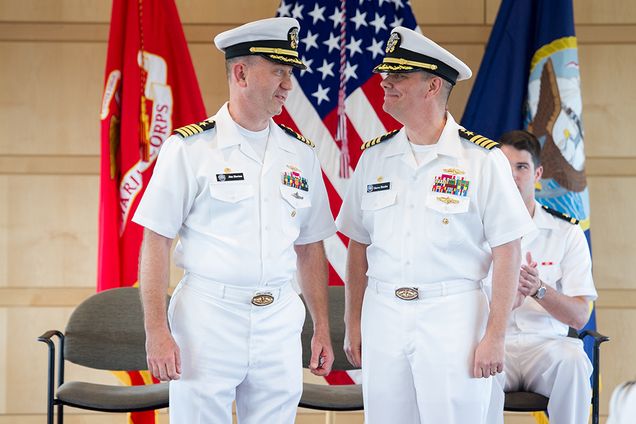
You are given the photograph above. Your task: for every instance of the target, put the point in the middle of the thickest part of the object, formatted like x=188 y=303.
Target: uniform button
x=445 y=221
x=267 y=228
x=407 y=263
x=293 y=213
x=411 y=206
x=408 y=234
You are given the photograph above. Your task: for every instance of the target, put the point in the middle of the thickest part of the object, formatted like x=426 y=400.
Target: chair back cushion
x=106 y=331
x=336 y=322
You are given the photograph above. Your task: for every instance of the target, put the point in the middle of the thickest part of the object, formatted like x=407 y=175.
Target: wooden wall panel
x=454 y=12
x=586 y=11
x=4 y=363
x=608 y=99
x=51 y=236
x=613 y=236
x=50 y=97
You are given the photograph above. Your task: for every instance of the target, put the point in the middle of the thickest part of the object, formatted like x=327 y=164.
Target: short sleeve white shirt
x=564 y=263
x=237 y=216
x=435 y=222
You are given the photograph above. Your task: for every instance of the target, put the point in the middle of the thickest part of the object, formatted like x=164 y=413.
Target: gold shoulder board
x=479 y=140
x=560 y=215
x=379 y=140
x=193 y=129
x=296 y=135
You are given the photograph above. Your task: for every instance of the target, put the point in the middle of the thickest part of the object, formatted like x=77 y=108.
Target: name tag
x=235 y=176
x=378 y=187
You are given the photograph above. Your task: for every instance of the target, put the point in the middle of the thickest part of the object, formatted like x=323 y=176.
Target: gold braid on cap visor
x=400 y=61
x=272 y=50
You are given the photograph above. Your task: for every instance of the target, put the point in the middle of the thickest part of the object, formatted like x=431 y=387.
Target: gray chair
x=104 y=332
x=326 y=397
x=533 y=402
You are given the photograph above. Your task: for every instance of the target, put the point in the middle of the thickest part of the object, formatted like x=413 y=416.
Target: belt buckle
x=407 y=293
x=262 y=299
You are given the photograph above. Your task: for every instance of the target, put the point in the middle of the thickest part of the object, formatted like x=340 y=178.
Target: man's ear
x=239 y=73
x=434 y=86
x=538 y=173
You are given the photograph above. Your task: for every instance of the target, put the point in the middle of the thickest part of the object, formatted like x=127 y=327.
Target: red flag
x=150 y=88
x=337 y=101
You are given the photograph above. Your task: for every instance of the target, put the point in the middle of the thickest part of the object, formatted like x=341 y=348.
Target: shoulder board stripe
x=477 y=139
x=192 y=129
x=378 y=140
x=297 y=136
x=560 y=215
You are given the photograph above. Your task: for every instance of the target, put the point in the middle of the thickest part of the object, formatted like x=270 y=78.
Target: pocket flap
x=231 y=193
x=375 y=201
x=447 y=203
x=295 y=197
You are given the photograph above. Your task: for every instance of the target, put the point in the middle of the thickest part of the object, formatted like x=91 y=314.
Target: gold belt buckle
x=262 y=299
x=407 y=293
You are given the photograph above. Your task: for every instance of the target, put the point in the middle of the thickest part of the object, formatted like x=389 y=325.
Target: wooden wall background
x=51 y=75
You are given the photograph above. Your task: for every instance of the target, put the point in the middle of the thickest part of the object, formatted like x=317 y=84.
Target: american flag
x=338 y=97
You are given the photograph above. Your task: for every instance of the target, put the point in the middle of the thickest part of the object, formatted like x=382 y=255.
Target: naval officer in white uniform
x=555 y=289
x=429 y=208
x=247 y=200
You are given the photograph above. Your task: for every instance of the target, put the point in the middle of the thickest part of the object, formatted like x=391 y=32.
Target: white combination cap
x=275 y=39
x=410 y=51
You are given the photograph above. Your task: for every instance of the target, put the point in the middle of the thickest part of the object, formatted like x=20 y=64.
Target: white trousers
x=233 y=350
x=417 y=358
x=556 y=367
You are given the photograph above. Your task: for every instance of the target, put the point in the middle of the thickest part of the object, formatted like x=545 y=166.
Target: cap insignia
x=293 y=38
x=393 y=42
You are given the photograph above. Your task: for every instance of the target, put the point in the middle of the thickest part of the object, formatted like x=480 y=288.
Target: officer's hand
x=529 y=281
x=163 y=356
x=353 y=345
x=489 y=357
x=321 y=354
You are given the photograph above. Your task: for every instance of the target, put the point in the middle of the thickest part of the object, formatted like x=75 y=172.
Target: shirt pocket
x=294 y=206
x=446 y=218
x=379 y=213
x=232 y=208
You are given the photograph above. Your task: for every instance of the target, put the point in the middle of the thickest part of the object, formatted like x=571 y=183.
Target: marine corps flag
x=150 y=88
x=529 y=78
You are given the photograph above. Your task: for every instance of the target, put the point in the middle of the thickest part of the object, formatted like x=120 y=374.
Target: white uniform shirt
x=564 y=263
x=237 y=217
x=417 y=235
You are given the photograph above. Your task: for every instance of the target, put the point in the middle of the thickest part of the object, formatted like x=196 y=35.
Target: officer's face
x=269 y=84
x=523 y=171
x=402 y=92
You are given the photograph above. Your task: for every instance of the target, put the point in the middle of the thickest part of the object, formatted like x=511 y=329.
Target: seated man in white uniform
x=555 y=289
x=247 y=200
x=429 y=208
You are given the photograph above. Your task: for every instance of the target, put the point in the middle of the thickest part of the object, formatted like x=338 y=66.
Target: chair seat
x=332 y=398
x=100 y=397
x=525 y=402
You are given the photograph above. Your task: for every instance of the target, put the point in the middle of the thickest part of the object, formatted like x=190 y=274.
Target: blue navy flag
x=529 y=78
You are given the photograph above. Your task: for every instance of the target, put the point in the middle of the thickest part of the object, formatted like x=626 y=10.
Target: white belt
x=257 y=296
x=407 y=292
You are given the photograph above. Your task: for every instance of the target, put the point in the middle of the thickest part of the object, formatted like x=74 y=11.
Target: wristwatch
x=540 y=293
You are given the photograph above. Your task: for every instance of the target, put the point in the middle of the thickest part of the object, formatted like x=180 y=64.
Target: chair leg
x=330 y=417
x=60 y=414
